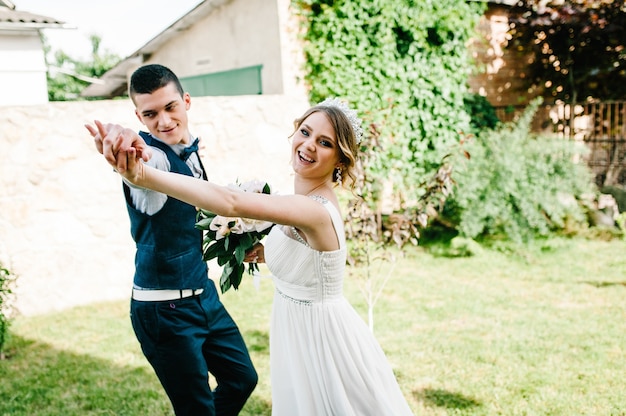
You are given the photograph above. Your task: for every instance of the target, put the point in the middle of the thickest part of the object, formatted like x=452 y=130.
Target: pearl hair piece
x=351 y=115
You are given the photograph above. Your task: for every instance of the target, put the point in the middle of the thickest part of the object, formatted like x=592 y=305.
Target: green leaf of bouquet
x=240 y=253
x=203 y=224
x=231 y=275
x=206 y=213
x=214 y=250
x=224 y=259
x=225 y=283
x=235 y=276
x=246 y=240
x=266 y=188
x=210 y=237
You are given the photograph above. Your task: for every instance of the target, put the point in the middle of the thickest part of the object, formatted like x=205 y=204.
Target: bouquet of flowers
x=228 y=239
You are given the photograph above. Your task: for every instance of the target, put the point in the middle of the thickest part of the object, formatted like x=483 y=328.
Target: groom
x=184 y=330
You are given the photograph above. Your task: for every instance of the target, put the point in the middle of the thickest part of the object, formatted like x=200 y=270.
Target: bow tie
x=187 y=151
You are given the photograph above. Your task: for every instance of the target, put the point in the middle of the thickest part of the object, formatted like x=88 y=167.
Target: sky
x=123 y=25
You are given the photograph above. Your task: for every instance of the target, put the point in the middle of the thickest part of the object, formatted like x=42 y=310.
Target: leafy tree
x=578 y=47
x=68 y=76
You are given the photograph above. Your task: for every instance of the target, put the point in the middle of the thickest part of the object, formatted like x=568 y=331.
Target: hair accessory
x=355 y=121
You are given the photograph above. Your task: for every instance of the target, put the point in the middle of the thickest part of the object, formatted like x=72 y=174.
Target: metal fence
x=601 y=126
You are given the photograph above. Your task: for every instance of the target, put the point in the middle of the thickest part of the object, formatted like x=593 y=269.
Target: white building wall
x=22 y=69
x=239 y=34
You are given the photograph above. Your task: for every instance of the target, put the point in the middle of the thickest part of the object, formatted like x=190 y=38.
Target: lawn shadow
x=39 y=379
x=446 y=399
x=604 y=284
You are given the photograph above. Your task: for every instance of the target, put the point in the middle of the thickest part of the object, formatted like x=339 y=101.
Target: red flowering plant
x=228 y=239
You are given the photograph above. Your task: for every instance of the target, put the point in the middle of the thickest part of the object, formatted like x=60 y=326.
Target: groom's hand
x=113 y=139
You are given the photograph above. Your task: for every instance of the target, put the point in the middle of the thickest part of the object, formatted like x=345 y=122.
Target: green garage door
x=242 y=81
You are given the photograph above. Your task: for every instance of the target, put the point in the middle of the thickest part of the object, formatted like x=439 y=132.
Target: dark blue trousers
x=186 y=339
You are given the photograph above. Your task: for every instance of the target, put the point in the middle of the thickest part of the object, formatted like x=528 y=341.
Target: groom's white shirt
x=149 y=201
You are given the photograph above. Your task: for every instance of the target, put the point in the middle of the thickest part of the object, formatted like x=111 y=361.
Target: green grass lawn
x=543 y=333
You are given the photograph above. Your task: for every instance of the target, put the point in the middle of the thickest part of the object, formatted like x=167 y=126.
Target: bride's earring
x=338 y=178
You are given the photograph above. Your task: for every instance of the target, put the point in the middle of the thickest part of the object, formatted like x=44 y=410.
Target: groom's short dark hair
x=149 y=78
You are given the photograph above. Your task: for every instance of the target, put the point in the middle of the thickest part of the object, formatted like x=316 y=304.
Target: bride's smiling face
x=314 y=145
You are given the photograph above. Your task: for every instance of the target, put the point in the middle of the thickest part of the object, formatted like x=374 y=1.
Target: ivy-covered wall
x=404 y=65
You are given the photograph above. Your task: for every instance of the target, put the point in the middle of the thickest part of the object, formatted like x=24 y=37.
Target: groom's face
x=164 y=113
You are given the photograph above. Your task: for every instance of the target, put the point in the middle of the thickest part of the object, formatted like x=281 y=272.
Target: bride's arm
x=298 y=210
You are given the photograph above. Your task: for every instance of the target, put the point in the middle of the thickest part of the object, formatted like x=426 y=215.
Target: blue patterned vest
x=169 y=247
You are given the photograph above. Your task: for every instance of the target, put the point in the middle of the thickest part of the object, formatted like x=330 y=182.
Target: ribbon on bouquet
x=257 y=277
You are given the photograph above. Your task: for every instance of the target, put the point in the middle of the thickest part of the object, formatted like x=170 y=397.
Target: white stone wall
x=63 y=225
x=22 y=68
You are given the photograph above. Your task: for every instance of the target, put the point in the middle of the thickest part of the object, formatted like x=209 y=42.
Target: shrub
x=517 y=185
x=7 y=281
x=482 y=113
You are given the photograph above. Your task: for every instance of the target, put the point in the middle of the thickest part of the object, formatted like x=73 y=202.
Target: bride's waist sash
x=298 y=293
x=307 y=294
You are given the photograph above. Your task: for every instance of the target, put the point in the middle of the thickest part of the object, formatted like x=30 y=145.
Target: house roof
x=115 y=80
x=11 y=19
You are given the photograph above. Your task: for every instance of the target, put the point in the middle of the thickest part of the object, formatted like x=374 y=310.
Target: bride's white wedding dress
x=324 y=360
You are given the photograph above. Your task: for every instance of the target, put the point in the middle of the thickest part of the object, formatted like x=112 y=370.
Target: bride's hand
x=256 y=254
x=134 y=170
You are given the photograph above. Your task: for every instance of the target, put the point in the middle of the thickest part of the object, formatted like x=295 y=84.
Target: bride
x=324 y=360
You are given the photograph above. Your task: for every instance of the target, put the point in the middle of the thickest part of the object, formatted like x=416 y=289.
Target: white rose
x=221 y=227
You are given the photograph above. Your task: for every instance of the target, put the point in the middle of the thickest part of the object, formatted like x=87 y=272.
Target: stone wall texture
x=64 y=231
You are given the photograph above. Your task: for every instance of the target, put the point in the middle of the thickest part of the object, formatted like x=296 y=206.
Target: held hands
x=123 y=148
